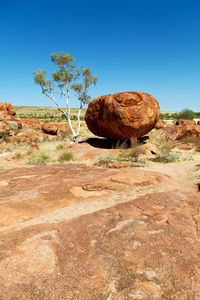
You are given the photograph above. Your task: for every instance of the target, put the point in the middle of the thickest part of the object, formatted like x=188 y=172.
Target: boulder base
x=123 y=115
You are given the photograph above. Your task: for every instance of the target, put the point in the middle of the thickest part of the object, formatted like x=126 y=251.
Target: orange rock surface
x=54 y=129
x=123 y=115
x=31 y=123
x=74 y=232
x=183 y=129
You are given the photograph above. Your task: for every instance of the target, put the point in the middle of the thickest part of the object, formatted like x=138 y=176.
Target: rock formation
x=11 y=125
x=90 y=233
x=31 y=123
x=123 y=115
x=6 y=109
x=54 y=129
x=183 y=129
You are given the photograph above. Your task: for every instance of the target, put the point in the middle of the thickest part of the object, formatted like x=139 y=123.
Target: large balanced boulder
x=123 y=115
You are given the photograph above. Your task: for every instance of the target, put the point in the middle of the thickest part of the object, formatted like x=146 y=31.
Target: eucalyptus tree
x=68 y=78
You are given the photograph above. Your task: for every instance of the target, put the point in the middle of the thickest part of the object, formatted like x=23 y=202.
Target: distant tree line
x=186 y=114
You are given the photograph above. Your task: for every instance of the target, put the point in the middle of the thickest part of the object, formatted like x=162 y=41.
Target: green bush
x=39 y=158
x=65 y=156
x=197 y=147
x=166 y=158
x=187 y=114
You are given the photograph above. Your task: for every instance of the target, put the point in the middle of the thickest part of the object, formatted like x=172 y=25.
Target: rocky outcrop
x=123 y=115
x=183 y=129
x=9 y=123
x=88 y=233
x=6 y=109
x=31 y=123
x=182 y=122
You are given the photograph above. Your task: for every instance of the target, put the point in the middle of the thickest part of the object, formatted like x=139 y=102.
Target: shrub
x=166 y=158
x=4 y=135
x=133 y=155
x=59 y=147
x=197 y=147
x=65 y=156
x=188 y=140
x=39 y=158
x=163 y=145
x=105 y=159
x=187 y=114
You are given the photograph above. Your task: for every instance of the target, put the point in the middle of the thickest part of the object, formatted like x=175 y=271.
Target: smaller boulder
x=182 y=122
x=49 y=128
x=54 y=129
x=10 y=109
x=183 y=129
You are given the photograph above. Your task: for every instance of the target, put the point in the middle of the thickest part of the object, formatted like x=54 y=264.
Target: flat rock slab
x=58 y=243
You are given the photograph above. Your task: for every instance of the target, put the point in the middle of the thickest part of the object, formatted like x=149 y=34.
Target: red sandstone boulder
x=31 y=123
x=9 y=123
x=123 y=115
x=182 y=122
x=54 y=129
x=10 y=109
x=7 y=108
x=49 y=128
x=183 y=129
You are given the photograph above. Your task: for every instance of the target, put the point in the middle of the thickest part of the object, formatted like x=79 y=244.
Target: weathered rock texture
x=31 y=123
x=55 y=129
x=11 y=125
x=183 y=129
x=7 y=109
x=84 y=233
x=123 y=115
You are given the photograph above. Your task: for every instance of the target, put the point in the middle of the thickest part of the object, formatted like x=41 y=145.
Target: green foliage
x=164 y=146
x=67 y=78
x=187 y=114
x=4 y=135
x=166 y=158
x=65 y=156
x=46 y=85
x=188 y=140
x=39 y=158
x=133 y=155
x=197 y=147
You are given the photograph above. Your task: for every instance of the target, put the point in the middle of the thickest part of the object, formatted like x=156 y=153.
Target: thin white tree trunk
x=67 y=115
x=79 y=122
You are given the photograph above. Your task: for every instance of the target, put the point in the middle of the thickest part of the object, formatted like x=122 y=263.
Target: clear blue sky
x=131 y=45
